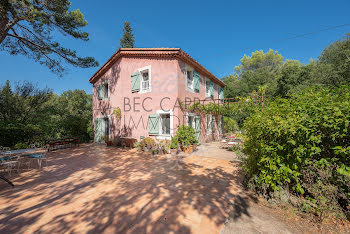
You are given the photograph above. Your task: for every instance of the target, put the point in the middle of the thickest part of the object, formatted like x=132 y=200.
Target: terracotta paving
x=95 y=189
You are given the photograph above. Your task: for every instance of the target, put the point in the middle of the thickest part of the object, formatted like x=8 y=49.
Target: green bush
x=303 y=143
x=174 y=143
x=230 y=125
x=186 y=135
x=146 y=141
x=21 y=146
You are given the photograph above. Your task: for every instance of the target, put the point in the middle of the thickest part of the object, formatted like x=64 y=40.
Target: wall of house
x=186 y=94
x=136 y=107
x=168 y=85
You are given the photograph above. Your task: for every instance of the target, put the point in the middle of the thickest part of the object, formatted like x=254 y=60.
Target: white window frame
x=165 y=136
x=209 y=123
x=189 y=68
x=109 y=120
x=207 y=87
x=141 y=70
x=104 y=90
x=188 y=114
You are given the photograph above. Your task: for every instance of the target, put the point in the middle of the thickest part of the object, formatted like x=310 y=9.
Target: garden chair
x=8 y=162
x=39 y=157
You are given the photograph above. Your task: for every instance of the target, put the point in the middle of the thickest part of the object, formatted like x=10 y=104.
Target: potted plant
x=174 y=145
x=138 y=146
x=186 y=137
x=164 y=146
x=107 y=141
x=147 y=144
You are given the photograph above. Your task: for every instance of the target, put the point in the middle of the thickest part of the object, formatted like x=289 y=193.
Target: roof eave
x=177 y=52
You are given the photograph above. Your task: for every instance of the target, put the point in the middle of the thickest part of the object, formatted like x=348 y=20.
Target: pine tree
x=127 y=41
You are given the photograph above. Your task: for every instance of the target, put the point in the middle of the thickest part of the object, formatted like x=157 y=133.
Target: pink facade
x=163 y=84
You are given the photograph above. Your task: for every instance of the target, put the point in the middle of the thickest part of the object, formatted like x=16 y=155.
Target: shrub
x=186 y=136
x=21 y=146
x=230 y=125
x=146 y=141
x=302 y=143
x=174 y=143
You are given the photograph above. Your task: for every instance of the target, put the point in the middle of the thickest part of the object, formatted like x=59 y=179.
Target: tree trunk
x=3 y=28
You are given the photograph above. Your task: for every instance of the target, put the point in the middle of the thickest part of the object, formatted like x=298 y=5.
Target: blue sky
x=215 y=33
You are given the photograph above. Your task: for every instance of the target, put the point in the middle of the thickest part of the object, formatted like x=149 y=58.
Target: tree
x=26 y=28
x=127 y=41
x=334 y=63
x=255 y=71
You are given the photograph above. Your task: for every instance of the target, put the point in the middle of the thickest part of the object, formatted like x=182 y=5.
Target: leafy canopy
x=28 y=28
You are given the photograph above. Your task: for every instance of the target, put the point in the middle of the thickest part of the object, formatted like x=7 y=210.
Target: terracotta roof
x=154 y=52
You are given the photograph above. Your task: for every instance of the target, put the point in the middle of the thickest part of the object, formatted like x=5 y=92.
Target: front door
x=101 y=129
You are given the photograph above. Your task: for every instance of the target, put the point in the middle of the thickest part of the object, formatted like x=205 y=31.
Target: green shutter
x=153 y=124
x=196 y=81
x=98 y=130
x=211 y=89
x=135 y=82
x=99 y=88
x=221 y=93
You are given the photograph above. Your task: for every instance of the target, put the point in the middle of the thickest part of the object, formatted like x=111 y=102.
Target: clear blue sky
x=216 y=33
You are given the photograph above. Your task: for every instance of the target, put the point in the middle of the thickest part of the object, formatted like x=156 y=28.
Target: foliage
x=27 y=28
x=255 y=71
x=174 y=143
x=186 y=135
x=230 y=125
x=284 y=78
x=236 y=111
x=117 y=112
x=309 y=130
x=21 y=146
x=337 y=57
x=29 y=114
x=146 y=142
x=127 y=41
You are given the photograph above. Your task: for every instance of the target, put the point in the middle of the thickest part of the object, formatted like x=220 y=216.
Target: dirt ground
x=95 y=189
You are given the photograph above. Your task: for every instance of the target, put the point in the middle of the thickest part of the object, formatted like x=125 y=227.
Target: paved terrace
x=95 y=189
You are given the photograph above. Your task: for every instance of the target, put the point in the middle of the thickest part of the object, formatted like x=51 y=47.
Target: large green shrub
x=303 y=144
x=186 y=136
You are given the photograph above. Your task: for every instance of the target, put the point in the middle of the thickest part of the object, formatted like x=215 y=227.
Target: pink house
x=137 y=93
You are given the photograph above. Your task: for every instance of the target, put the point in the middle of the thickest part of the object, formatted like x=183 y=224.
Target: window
x=209 y=124
x=207 y=88
x=102 y=91
x=105 y=90
x=165 y=124
x=190 y=121
x=141 y=80
x=190 y=80
x=145 y=80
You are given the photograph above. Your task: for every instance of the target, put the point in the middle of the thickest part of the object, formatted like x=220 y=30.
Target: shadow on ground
x=96 y=189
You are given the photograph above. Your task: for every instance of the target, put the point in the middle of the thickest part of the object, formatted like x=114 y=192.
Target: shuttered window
x=135 y=82
x=211 y=89
x=153 y=124
x=196 y=81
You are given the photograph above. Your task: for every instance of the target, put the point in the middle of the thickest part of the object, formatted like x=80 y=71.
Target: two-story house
x=137 y=93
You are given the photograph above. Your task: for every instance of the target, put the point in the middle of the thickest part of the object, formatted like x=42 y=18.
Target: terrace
x=97 y=189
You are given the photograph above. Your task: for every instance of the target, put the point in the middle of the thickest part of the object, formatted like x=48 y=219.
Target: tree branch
x=41 y=47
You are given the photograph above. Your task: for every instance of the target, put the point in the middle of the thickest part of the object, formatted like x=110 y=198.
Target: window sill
x=145 y=91
x=163 y=137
